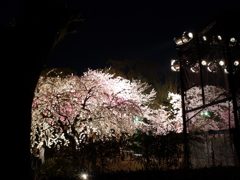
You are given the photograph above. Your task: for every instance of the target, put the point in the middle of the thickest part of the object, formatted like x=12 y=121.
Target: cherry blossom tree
x=214 y=117
x=94 y=106
x=166 y=119
x=100 y=106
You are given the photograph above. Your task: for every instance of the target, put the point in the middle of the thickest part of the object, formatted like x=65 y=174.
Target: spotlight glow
x=219 y=37
x=84 y=176
x=204 y=63
x=226 y=71
x=221 y=63
x=204 y=38
x=185 y=38
x=190 y=35
x=236 y=63
x=232 y=40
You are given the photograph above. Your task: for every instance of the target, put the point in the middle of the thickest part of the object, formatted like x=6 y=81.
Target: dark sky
x=127 y=29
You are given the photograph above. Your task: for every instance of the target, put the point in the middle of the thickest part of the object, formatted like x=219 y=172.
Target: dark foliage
x=26 y=43
x=216 y=173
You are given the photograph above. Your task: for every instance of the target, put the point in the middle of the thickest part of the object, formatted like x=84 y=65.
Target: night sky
x=126 y=29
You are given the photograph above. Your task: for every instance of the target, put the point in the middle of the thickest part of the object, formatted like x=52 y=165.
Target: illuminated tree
x=99 y=106
x=147 y=71
x=166 y=119
x=95 y=106
x=214 y=117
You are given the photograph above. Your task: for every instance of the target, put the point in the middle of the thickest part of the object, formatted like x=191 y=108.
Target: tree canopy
x=95 y=104
x=162 y=80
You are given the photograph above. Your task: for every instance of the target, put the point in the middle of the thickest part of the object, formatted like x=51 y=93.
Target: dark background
x=126 y=29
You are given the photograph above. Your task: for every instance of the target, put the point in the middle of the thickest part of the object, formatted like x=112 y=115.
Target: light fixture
x=219 y=37
x=204 y=38
x=190 y=35
x=232 y=42
x=204 y=62
x=236 y=63
x=185 y=38
x=226 y=70
x=221 y=63
x=236 y=66
x=175 y=65
x=195 y=68
x=207 y=114
x=212 y=67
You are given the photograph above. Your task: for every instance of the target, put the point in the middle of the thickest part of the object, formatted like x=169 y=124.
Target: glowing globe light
x=219 y=37
x=221 y=63
x=232 y=40
x=185 y=38
x=204 y=38
x=190 y=35
x=236 y=63
x=204 y=63
x=206 y=114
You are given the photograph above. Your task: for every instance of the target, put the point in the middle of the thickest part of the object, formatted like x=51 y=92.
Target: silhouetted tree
x=26 y=43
